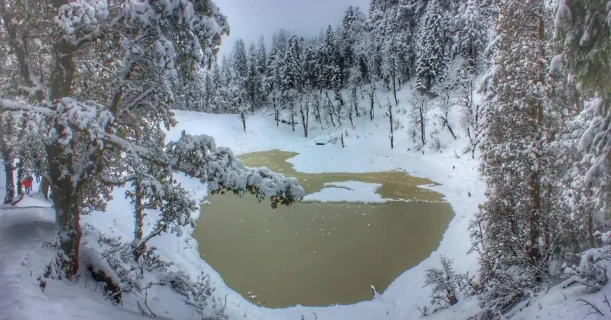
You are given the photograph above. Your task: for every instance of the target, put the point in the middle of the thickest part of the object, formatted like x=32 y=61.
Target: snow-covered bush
x=444 y=283
x=124 y=274
x=592 y=269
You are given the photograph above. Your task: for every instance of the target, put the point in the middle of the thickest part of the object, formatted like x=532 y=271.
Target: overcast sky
x=249 y=19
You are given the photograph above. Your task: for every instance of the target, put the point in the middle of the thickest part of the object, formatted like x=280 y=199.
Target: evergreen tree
x=430 y=56
x=292 y=74
x=514 y=246
x=470 y=33
x=216 y=104
x=240 y=60
x=583 y=34
x=253 y=79
x=329 y=59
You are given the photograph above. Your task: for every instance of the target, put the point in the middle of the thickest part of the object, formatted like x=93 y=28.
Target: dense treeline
x=324 y=77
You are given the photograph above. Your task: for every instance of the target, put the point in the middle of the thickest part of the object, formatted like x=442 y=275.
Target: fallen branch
x=587 y=303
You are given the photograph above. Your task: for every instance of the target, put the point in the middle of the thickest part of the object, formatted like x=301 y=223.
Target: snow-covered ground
x=23 y=230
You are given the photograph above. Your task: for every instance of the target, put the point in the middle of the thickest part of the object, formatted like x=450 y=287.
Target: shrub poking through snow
x=444 y=283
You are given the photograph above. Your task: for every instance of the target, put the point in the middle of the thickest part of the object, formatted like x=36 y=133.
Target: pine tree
x=329 y=60
x=216 y=104
x=253 y=79
x=240 y=60
x=292 y=74
x=262 y=68
x=430 y=55
x=515 y=159
x=470 y=35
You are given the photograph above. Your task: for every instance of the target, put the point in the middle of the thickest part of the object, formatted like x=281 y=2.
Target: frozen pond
x=318 y=254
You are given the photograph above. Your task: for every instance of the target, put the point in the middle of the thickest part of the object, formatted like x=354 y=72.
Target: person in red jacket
x=27 y=184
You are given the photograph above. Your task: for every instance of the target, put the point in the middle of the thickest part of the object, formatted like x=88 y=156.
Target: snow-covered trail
x=25 y=234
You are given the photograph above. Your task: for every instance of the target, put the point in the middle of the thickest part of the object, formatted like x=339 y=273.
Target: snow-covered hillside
x=24 y=230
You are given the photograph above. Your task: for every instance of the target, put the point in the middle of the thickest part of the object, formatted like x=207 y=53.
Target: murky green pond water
x=318 y=254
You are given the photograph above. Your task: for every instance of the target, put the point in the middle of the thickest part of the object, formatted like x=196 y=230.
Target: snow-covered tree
x=80 y=111
x=470 y=32
x=329 y=59
x=519 y=124
x=419 y=108
x=253 y=81
x=582 y=31
x=430 y=54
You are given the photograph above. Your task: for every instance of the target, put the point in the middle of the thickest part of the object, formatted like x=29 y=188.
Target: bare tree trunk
x=66 y=200
x=447 y=124
x=44 y=188
x=304 y=116
x=394 y=90
x=276 y=111
x=293 y=116
x=243 y=118
x=390 y=119
x=356 y=102
x=330 y=109
x=9 y=166
x=535 y=183
x=9 y=196
x=371 y=102
x=138 y=220
x=422 y=126
x=20 y=177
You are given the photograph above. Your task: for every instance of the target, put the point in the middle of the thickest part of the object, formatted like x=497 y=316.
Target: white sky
x=249 y=19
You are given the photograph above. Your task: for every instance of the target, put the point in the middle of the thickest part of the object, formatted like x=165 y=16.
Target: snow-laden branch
x=198 y=156
x=117 y=181
x=12 y=105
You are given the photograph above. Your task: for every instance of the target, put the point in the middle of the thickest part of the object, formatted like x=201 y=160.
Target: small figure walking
x=37 y=176
x=27 y=183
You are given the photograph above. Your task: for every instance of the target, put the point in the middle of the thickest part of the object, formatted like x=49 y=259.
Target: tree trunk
x=304 y=119
x=9 y=196
x=243 y=118
x=394 y=90
x=138 y=221
x=44 y=188
x=422 y=127
x=356 y=103
x=20 y=178
x=390 y=118
x=535 y=183
x=9 y=166
x=66 y=201
x=293 y=116
x=447 y=124
x=276 y=111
